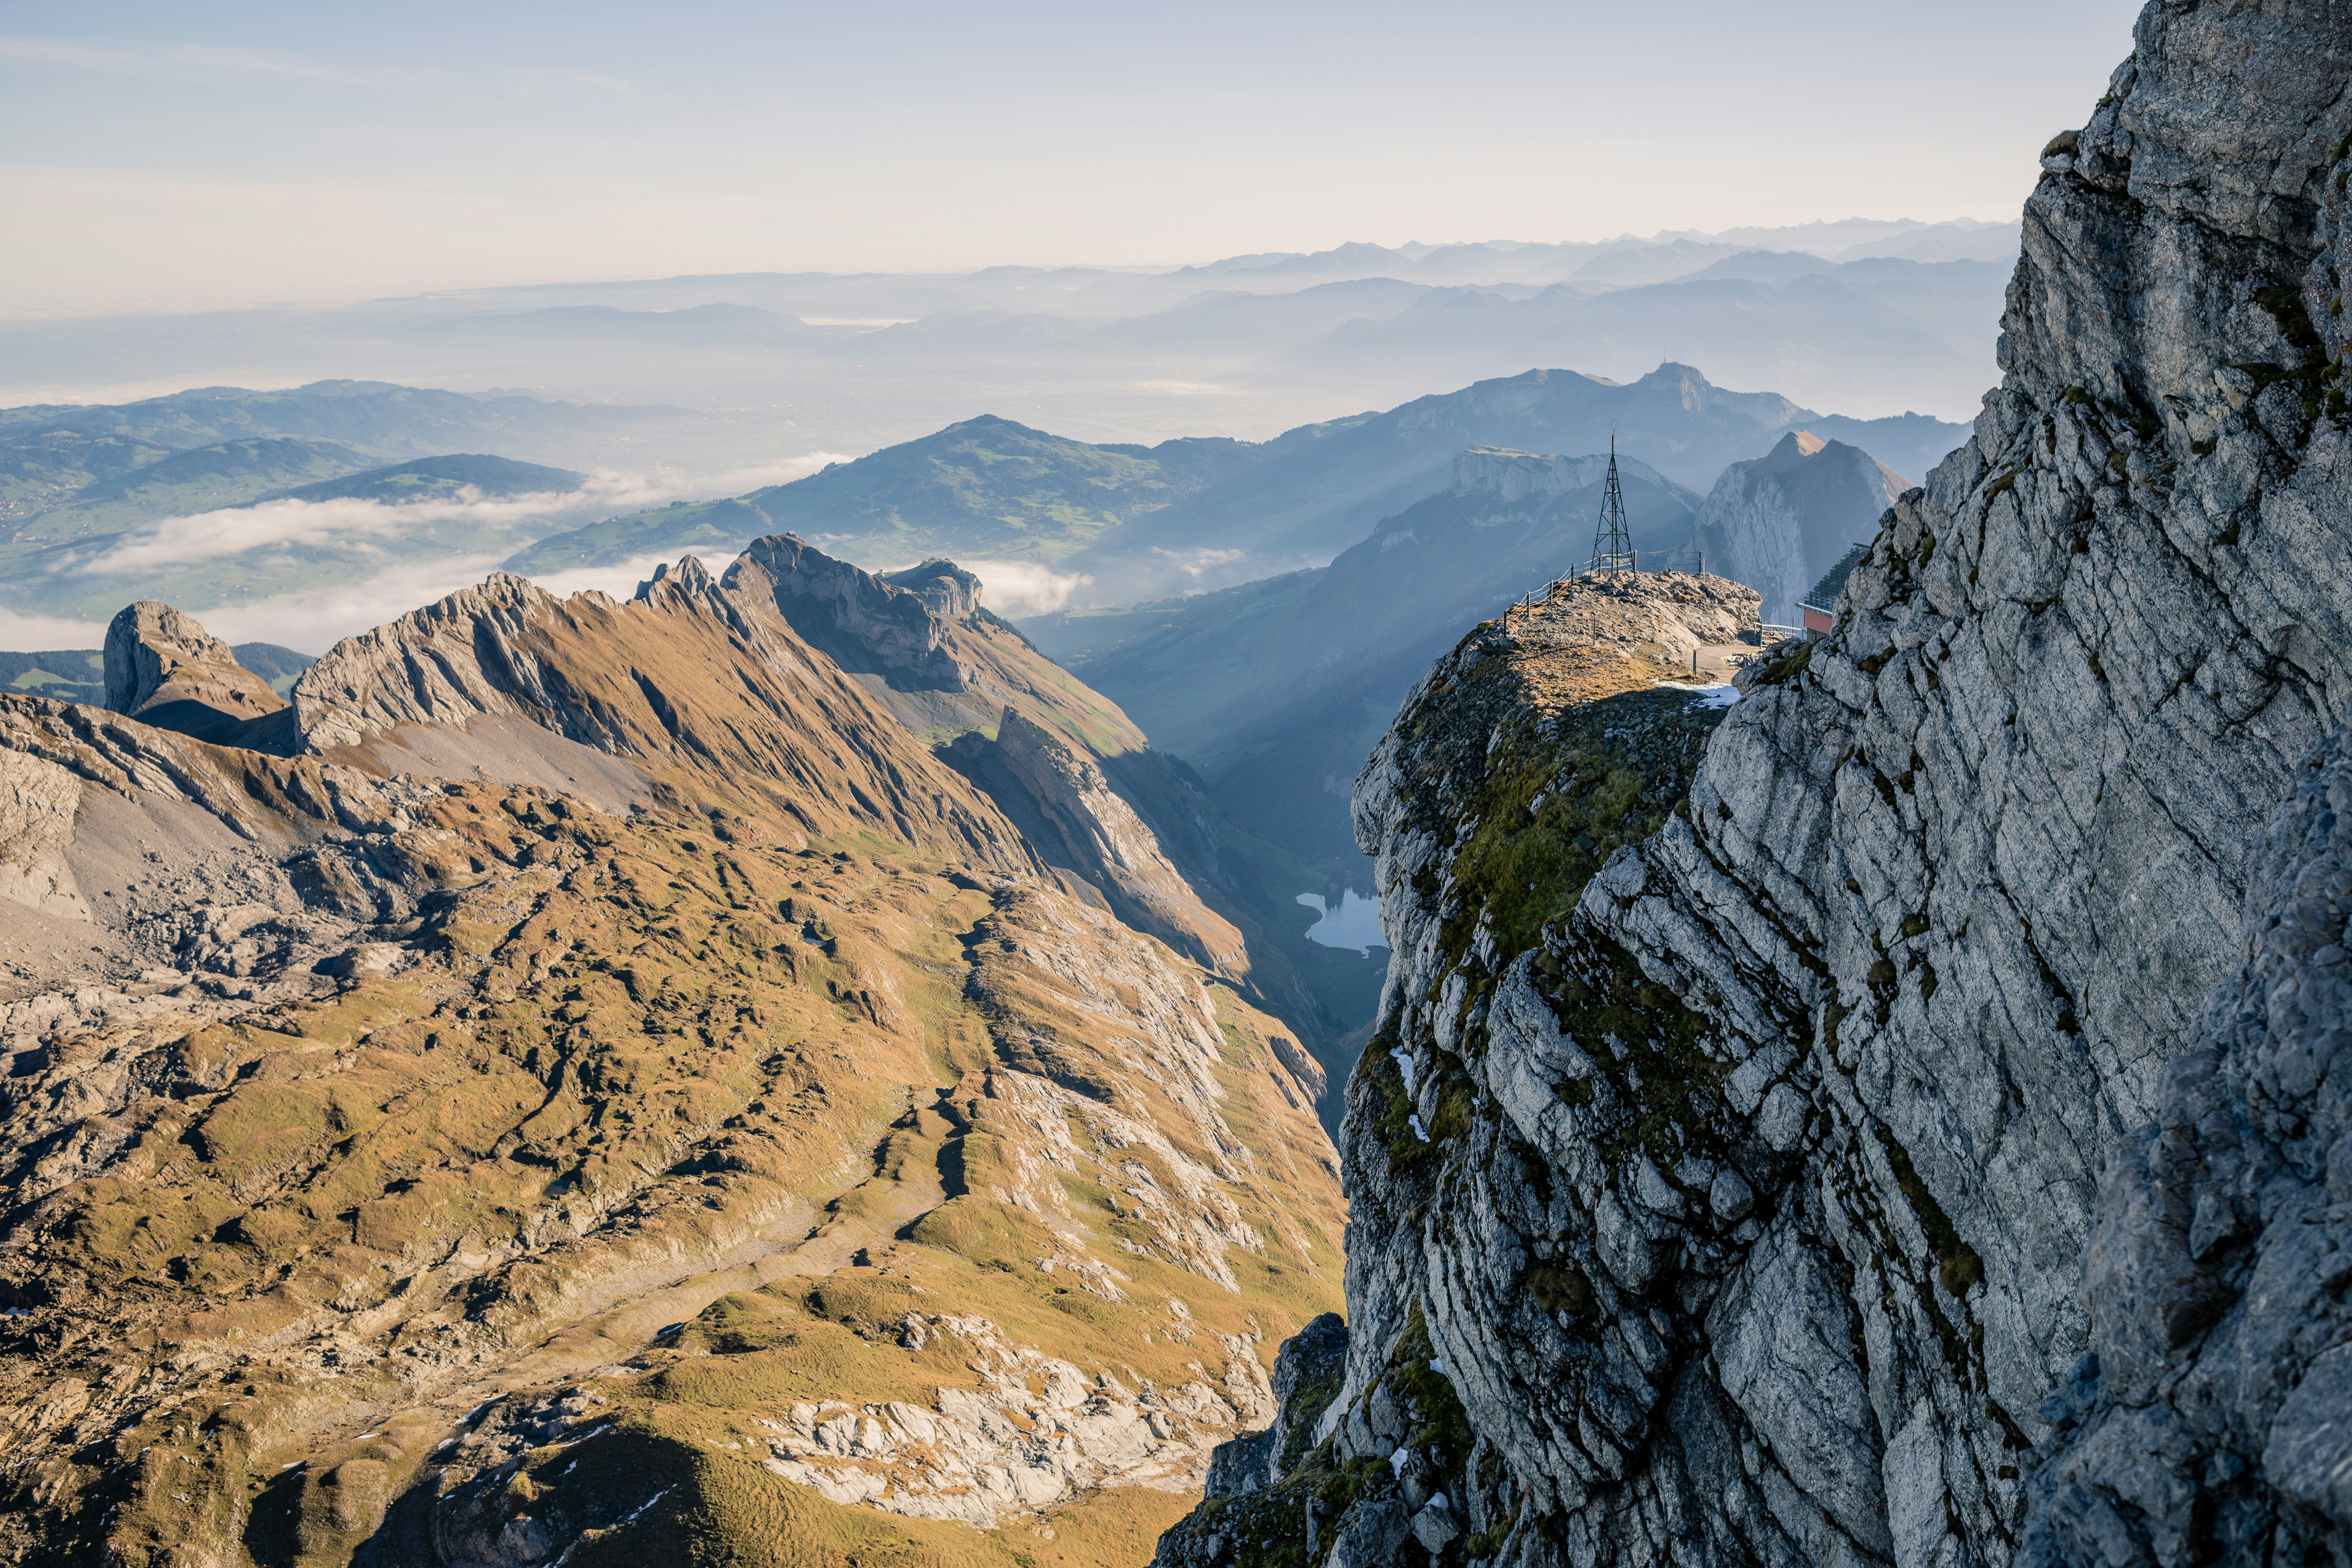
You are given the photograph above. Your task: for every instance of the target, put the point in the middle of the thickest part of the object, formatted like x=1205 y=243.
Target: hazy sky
x=167 y=156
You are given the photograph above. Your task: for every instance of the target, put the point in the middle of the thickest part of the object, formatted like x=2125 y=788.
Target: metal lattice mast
x=1612 y=546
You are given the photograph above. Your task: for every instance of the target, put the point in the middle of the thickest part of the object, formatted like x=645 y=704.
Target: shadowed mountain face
x=1778 y=521
x=589 y=1054
x=163 y=668
x=1277 y=690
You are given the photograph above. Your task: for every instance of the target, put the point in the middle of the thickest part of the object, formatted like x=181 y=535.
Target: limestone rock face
x=1743 y=1183
x=864 y=622
x=165 y=668
x=466 y=655
x=1510 y=475
x=946 y=589
x=1777 y=522
x=2210 y=1418
x=38 y=801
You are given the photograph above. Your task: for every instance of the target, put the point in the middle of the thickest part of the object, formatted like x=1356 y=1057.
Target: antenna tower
x=1612 y=546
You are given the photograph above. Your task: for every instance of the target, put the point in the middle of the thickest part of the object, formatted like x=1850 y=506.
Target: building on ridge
x=1821 y=598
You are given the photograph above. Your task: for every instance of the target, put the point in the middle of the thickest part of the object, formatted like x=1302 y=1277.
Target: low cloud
x=369 y=525
x=234 y=530
x=1192 y=562
x=36 y=634
x=1023 y=588
x=314 y=621
x=618 y=490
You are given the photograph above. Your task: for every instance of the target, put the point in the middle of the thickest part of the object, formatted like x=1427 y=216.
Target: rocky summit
x=591 y=1082
x=1898 y=1118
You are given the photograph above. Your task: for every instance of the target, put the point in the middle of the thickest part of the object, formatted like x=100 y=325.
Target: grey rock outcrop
x=1747 y=1203
x=164 y=668
x=2213 y=1420
x=865 y=623
x=38 y=801
x=469 y=656
x=946 y=589
x=1777 y=522
x=1307 y=1374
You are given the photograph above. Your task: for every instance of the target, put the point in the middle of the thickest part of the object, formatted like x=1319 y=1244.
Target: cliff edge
x=1740 y=1213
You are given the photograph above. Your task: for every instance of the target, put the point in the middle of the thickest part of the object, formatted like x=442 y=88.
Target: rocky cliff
x=1082 y=824
x=947 y=590
x=864 y=622
x=1778 y=521
x=163 y=668
x=1920 y=1147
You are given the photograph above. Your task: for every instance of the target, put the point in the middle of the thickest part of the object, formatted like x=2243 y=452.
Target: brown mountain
x=589 y=1081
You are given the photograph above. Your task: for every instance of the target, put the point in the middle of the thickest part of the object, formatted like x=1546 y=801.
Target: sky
x=164 y=157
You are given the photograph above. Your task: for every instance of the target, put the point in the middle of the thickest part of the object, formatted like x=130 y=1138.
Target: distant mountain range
x=1120 y=524
x=1626 y=257
x=985 y=488
x=1847 y=331
x=1898 y=315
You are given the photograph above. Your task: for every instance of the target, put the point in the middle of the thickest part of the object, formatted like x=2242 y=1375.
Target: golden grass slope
x=800 y=1055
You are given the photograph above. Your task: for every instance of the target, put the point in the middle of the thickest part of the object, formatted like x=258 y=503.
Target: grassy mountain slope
x=984 y=488
x=439 y=479
x=1247 y=880
x=633 y=1150
x=179 y=484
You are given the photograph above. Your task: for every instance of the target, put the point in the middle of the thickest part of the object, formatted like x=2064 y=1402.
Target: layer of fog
x=367 y=525
x=1017 y=588
x=389 y=557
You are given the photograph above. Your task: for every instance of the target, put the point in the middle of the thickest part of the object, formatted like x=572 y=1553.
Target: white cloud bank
x=1014 y=588
x=314 y=621
x=34 y=633
x=369 y=524
x=345 y=522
